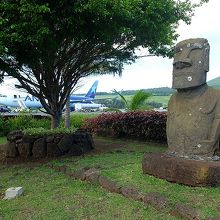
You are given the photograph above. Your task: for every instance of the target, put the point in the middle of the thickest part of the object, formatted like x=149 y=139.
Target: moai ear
x=206 y=58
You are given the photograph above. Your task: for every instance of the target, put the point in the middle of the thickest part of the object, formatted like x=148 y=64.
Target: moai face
x=191 y=63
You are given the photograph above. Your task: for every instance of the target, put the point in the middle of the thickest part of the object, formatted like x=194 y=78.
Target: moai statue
x=193 y=123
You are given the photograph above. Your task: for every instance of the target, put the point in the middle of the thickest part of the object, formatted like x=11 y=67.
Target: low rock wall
x=26 y=146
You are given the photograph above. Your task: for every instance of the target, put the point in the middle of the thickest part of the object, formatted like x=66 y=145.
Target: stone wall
x=26 y=146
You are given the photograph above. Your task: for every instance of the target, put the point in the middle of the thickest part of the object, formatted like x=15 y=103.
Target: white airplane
x=30 y=102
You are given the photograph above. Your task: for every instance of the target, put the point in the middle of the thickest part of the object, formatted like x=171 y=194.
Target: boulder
x=25 y=149
x=53 y=150
x=181 y=170
x=132 y=193
x=39 y=148
x=11 y=149
x=65 y=143
x=109 y=185
x=14 y=135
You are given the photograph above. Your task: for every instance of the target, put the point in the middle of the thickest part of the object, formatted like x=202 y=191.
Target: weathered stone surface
x=175 y=169
x=193 y=125
x=25 y=149
x=39 y=148
x=29 y=139
x=109 y=185
x=13 y=192
x=131 y=193
x=92 y=175
x=185 y=211
x=53 y=150
x=76 y=150
x=26 y=146
x=156 y=200
x=11 y=150
x=65 y=143
x=49 y=139
x=63 y=168
x=14 y=135
x=79 y=174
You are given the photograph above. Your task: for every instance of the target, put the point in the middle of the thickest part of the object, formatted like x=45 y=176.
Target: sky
x=153 y=72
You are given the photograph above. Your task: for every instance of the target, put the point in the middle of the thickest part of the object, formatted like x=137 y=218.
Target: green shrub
x=22 y=122
x=77 y=120
x=42 y=131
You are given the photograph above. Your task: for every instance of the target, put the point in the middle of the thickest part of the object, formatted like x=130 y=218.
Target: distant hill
x=161 y=91
x=214 y=82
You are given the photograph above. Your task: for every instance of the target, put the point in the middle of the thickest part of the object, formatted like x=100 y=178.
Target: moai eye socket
x=178 y=49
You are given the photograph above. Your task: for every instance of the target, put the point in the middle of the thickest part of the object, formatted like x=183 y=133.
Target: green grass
x=2 y=140
x=53 y=195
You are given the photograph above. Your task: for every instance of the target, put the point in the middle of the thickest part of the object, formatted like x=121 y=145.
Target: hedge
x=147 y=125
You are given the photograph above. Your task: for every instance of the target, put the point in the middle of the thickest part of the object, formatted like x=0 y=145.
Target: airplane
x=29 y=101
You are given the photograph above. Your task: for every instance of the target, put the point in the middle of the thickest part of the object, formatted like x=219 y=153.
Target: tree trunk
x=55 y=120
x=67 y=113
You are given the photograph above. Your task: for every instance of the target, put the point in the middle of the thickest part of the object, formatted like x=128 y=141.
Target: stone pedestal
x=180 y=170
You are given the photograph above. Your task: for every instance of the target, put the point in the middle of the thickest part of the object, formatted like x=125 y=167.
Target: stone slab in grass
x=132 y=193
x=13 y=192
x=155 y=199
x=180 y=170
x=109 y=185
x=185 y=212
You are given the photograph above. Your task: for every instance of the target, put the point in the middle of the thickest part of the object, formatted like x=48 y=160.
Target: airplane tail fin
x=92 y=91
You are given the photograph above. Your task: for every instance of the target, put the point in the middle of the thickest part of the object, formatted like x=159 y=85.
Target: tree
x=49 y=45
x=137 y=101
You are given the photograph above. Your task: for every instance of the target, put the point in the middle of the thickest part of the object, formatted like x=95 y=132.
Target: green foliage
x=43 y=132
x=21 y=122
x=137 y=101
x=77 y=120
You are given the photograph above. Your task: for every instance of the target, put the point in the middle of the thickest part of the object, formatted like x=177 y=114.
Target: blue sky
x=151 y=72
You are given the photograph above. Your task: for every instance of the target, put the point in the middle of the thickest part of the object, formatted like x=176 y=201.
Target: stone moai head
x=191 y=63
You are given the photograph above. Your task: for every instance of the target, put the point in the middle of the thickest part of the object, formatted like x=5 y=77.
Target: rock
x=65 y=143
x=39 y=148
x=109 y=185
x=25 y=149
x=132 y=193
x=53 y=150
x=79 y=174
x=185 y=211
x=92 y=175
x=49 y=139
x=181 y=170
x=13 y=192
x=11 y=149
x=14 y=135
x=156 y=200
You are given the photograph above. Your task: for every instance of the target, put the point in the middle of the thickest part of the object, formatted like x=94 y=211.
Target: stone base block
x=13 y=192
x=180 y=170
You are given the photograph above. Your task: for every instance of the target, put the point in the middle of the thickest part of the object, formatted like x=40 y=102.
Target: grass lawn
x=53 y=195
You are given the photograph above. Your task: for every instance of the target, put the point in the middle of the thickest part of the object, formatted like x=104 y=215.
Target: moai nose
x=180 y=64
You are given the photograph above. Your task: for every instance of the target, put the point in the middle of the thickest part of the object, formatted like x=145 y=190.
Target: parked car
x=4 y=109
